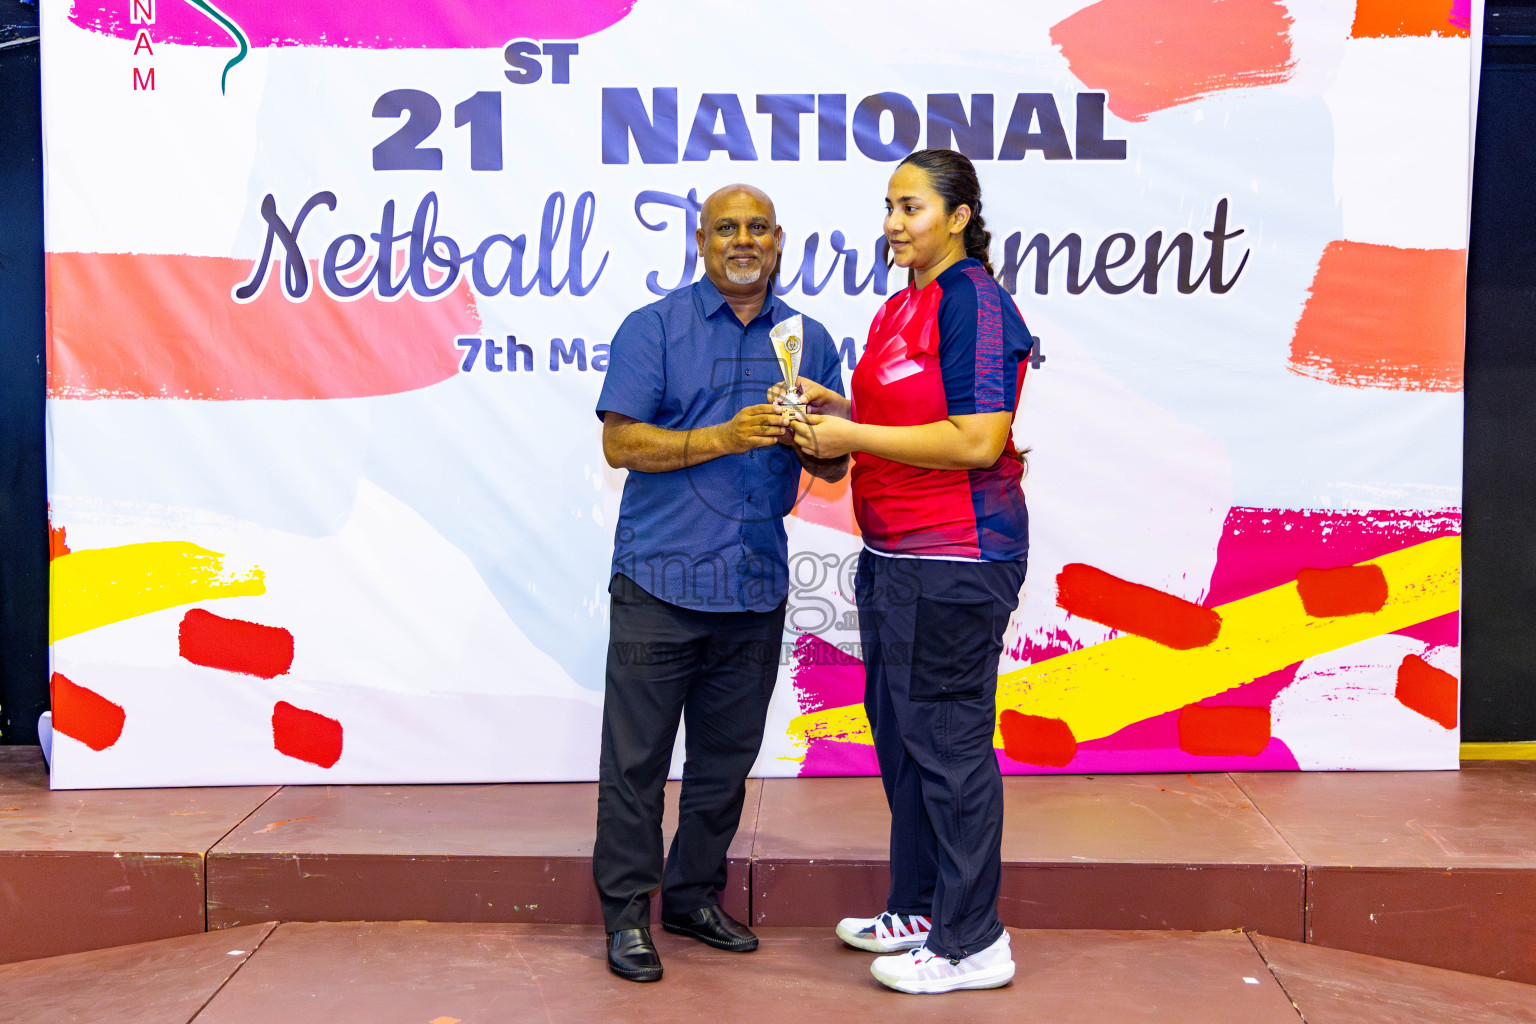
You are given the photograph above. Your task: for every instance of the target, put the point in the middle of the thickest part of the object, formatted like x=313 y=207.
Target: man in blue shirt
x=700 y=574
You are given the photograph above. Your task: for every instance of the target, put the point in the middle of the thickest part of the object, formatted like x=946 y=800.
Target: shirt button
x=749 y=373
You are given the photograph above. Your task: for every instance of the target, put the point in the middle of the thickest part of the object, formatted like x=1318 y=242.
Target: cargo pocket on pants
x=951 y=651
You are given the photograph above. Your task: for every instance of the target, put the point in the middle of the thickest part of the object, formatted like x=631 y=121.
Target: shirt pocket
x=953 y=656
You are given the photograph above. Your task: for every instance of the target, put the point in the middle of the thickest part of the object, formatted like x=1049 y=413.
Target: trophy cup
x=788 y=339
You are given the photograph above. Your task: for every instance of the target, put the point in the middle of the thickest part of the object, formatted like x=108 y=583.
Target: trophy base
x=793 y=402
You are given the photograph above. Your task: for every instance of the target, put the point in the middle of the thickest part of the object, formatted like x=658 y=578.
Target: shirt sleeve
x=637 y=373
x=972 y=357
x=828 y=368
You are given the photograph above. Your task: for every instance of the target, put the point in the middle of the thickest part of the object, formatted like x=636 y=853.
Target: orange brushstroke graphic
x=142 y=326
x=1384 y=317
x=84 y=714
x=1150 y=55
x=1375 y=19
x=1132 y=608
x=826 y=504
x=1432 y=693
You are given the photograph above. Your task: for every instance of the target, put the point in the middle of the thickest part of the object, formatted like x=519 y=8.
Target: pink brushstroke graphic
x=342 y=23
x=1460 y=14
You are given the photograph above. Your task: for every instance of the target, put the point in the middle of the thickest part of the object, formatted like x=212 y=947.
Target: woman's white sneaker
x=925 y=972
x=888 y=933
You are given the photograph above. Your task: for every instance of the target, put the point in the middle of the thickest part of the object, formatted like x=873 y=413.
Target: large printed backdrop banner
x=331 y=288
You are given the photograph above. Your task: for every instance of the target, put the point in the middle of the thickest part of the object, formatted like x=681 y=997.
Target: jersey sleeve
x=972 y=354
x=828 y=367
x=637 y=377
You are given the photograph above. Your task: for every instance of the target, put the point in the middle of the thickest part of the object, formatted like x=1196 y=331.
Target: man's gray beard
x=743 y=276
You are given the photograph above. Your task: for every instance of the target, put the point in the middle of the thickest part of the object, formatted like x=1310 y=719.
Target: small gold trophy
x=788 y=339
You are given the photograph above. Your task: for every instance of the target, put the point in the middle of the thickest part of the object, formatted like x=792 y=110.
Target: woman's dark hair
x=953 y=177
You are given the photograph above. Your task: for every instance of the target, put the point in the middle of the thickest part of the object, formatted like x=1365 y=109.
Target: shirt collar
x=710 y=300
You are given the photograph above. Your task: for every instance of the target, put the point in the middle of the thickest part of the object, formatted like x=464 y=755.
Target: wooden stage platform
x=1432 y=868
x=426 y=973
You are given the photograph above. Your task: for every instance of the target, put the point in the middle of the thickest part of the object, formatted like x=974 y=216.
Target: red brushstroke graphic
x=1375 y=19
x=84 y=714
x=1150 y=55
x=235 y=645
x=139 y=326
x=1030 y=739
x=344 y=23
x=1384 y=317
x=1132 y=608
x=1227 y=731
x=306 y=735
x=1262 y=548
x=1347 y=590
x=58 y=542
x=1432 y=693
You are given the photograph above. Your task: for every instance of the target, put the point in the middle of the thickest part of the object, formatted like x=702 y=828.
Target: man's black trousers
x=715 y=671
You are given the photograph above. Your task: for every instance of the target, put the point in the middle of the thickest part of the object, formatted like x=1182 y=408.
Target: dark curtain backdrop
x=1498 y=601
x=23 y=501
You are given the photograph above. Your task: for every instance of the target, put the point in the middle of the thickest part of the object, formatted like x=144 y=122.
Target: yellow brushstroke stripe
x=1099 y=690
x=99 y=586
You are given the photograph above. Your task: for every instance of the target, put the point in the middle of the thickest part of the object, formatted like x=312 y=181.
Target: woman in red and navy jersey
x=937 y=495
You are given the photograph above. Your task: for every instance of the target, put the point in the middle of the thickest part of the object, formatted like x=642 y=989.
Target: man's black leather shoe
x=713 y=927
x=632 y=955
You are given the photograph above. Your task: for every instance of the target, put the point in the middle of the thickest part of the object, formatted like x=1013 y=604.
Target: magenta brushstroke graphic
x=1276 y=757
x=1262 y=548
x=825 y=677
x=1444 y=631
x=343 y=23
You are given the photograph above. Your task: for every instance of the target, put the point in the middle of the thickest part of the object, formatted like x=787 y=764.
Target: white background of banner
x=441 y=555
